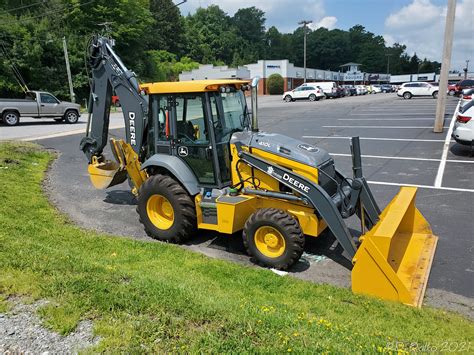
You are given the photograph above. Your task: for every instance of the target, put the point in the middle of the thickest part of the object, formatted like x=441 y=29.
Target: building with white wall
x=209 y=71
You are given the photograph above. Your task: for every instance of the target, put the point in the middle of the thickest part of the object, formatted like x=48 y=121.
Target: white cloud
x=284 y=14
x=328 y=22
x=420 y=26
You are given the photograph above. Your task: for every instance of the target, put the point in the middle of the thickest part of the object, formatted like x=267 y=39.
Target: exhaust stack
x=254 y=95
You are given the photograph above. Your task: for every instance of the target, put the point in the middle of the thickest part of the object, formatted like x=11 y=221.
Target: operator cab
x=195 y=121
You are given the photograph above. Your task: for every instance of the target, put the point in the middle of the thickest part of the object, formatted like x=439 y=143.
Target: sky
x=419 y=24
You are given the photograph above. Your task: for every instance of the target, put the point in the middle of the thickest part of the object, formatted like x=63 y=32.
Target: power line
x=24 y=7
x=48 y=13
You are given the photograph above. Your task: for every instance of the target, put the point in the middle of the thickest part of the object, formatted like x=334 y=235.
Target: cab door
x=192 y=136
x=49 y=105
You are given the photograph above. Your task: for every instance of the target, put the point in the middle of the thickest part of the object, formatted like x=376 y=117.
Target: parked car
x=304 y=92
x=370 y=89
x=330 y=88
x=451 y=89
x=377 y=89
x=466 y=97
x=361 y=90
x=463 y=84
x=115 y=101
x=463 y=132
x=38 y=104
x=409 y=90
x=386 y=88
x=350 y=90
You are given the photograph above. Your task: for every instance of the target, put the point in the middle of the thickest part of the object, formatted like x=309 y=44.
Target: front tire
x=11 y=118
x=71 y=117
x=288 y=98
x=273 y=238
x=166 y=210
x=407 y=95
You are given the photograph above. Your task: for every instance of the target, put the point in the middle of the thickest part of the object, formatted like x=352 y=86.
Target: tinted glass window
x=190 y=123
x=161 y=116
x=48 y=99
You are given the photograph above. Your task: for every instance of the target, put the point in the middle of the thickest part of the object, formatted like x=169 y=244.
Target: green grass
x=153 y=297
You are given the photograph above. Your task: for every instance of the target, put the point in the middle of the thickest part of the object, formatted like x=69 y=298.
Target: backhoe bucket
x=106 y=174
x=394 y=259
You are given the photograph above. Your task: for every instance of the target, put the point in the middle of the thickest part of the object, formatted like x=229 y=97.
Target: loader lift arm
x=110 y=74
x=359 y=196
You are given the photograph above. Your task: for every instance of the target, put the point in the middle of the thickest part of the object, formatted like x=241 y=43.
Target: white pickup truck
x=38 y=104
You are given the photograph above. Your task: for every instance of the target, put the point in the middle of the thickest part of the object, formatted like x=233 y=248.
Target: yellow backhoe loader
x=196 y=160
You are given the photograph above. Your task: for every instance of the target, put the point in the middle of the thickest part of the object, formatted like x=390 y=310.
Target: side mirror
x=254 y=95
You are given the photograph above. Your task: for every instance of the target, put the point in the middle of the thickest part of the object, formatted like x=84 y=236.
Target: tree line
x=158 y=42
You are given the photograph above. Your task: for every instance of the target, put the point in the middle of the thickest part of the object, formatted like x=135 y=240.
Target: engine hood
x=283 y=146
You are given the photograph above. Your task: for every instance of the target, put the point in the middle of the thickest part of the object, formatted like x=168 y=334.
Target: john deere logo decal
x=308 y=147
x=183 y=151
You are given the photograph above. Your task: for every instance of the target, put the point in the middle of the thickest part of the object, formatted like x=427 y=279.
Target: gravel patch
x=22 y=332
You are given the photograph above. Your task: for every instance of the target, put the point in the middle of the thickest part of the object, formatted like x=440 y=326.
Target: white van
x=329 y=88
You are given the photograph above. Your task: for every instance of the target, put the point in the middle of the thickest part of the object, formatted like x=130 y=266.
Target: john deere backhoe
x=196 y=160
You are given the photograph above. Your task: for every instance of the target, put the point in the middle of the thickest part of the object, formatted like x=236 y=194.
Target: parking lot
x=398 y=147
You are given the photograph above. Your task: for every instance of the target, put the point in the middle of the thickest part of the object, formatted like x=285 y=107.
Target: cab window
x=190 y=122
x=48 y=99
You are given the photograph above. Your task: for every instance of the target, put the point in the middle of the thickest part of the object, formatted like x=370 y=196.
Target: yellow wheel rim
x=160 y=212
x=269 y=241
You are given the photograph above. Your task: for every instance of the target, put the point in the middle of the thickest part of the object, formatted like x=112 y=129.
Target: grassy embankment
x=157 y=297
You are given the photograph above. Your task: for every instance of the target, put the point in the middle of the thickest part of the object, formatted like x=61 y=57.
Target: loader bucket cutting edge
x=106 y=174
x=394 y=259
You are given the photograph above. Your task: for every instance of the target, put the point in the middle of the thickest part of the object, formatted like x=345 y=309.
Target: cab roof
x=178 y=87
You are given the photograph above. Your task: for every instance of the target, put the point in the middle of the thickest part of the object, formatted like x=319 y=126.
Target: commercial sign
x=378 y=77
x=354 y=76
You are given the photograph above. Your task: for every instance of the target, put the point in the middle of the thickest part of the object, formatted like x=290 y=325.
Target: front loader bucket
x=394 y=259
x=106 y=174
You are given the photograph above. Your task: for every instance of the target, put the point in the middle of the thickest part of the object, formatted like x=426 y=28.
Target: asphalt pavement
x=398 y=147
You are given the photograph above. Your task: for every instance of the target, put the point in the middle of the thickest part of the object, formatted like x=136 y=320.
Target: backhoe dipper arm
x=108 y=74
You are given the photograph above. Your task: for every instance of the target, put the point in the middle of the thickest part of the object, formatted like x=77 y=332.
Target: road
x=398 y=148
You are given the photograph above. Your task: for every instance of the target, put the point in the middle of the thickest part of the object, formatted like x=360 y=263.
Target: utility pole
x=466 y=70
x=305 y=23
x=68 y=68
x=443 y=81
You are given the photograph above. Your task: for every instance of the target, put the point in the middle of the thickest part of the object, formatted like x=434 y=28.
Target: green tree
x=250 y=25
x=167 y=31
x=211 y=36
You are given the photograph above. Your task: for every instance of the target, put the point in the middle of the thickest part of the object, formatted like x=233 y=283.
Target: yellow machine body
x=233 y=215
x=393 y=260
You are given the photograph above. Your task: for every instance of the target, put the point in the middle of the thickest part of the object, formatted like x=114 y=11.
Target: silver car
x=38 y=104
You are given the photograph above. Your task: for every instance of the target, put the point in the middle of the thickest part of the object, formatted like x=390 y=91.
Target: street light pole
x=467 y=69
x=305 y=23
x=388 y=55
x=443 y=80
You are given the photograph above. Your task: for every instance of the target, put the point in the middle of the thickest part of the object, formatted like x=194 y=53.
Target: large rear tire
x=312 y=97
x=274 y=238
x=166 y=210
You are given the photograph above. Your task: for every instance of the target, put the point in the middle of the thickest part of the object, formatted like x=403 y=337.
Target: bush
x=275 y=84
